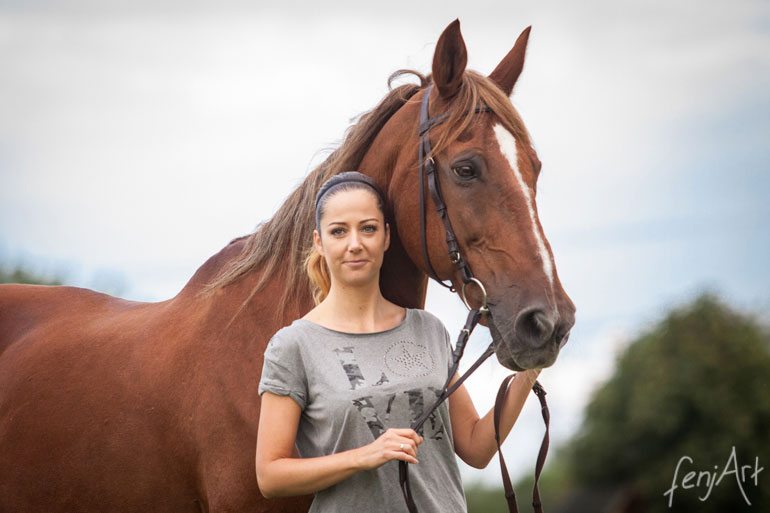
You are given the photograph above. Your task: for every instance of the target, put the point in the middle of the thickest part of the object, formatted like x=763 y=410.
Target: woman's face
x=353 y=238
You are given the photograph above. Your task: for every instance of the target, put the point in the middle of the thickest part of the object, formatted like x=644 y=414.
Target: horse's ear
x=507 y=72
x=449 y=61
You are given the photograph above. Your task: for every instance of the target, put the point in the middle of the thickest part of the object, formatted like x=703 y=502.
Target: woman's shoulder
x=428 y=319
x=424 y=314
x=292 y=334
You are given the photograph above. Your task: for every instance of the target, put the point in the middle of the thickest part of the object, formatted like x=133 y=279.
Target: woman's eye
x=465 y=171
x=370 y=228
x=337 y=231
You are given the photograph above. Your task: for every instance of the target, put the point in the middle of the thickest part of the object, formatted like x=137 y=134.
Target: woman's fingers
x=408 y=453
x=408 y=433
x=408 y=446
x=403 y=443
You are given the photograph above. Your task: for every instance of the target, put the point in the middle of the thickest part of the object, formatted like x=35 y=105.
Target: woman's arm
x=474 y=437
x=281 y=474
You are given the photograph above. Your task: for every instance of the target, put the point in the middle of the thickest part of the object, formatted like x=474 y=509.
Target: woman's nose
x=355 y=241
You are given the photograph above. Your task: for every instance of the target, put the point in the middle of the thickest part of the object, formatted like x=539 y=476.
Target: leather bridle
x=427 y=167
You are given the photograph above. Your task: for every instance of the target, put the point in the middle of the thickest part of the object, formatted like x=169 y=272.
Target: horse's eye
x=465 y=171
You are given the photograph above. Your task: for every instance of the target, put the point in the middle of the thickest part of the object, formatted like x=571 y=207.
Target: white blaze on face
x=508 y=148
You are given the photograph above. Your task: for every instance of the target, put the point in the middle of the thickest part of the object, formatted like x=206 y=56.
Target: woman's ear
x=387 y=236
x=317 y=243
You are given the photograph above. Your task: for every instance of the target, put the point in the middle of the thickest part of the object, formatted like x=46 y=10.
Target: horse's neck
x=401 y=280
x=239 y=306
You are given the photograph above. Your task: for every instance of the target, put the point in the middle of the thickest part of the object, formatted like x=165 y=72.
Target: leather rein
x=427 y=170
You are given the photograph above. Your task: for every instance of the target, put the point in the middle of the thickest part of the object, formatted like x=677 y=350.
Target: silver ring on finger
x=401 y=447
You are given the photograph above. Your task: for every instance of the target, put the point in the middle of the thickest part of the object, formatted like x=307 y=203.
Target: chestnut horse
x=115 y=405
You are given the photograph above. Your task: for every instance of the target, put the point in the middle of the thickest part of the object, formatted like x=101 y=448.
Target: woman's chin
x=355 y=279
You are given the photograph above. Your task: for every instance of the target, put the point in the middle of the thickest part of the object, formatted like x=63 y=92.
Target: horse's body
x=114 y=405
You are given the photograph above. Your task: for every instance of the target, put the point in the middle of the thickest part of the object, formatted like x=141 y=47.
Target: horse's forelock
x=476 y=89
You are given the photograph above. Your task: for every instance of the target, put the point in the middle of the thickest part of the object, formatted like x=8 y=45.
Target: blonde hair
x=318 y=272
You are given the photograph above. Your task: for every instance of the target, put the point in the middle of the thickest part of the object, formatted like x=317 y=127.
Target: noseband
x=427 y=167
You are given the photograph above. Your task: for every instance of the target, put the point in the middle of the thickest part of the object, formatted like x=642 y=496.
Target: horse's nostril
x=542 y=323
x=534 y=326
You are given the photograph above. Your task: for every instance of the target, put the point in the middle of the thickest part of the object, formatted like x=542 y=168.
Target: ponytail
x=318 y=272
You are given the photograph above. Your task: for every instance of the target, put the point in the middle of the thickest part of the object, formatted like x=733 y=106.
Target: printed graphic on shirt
x=432 y=429
x=416 y=406
x=349 y=364
x=369 y=413
x=436 y=426
x=411 y=360
x=408 y=359
x=390 y=407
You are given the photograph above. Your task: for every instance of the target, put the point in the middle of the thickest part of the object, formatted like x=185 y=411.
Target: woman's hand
x=393 y=444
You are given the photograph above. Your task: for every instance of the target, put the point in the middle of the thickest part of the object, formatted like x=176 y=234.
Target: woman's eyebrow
x=343 y=223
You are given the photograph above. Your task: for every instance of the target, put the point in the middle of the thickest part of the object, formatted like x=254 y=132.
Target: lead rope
x=510 y=495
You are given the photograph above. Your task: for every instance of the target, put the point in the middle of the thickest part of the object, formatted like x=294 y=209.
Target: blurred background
x=138 y=138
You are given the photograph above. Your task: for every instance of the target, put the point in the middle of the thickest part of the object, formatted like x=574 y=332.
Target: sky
x=138 y=138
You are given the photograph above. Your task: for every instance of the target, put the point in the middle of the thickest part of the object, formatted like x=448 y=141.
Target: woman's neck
x=357 y=309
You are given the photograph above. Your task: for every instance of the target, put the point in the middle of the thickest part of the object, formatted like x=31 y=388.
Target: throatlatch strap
x=427 y=167
x=510 y=495
x=424 y=151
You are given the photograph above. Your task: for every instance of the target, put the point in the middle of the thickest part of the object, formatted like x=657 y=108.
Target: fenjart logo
x=710 y=477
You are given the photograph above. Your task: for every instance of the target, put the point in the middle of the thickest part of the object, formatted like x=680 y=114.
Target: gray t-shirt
x=351 y=388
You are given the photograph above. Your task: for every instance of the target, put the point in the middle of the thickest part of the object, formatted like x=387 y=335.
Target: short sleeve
x=283 y=372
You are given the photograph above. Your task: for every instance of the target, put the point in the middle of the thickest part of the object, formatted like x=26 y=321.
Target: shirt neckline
x=403 y=323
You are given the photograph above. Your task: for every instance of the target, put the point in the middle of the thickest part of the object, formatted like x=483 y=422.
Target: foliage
x=697 y=385
x=483 y=499
x=19 y=274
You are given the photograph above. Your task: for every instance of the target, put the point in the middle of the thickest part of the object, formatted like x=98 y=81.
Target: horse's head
x=488 y=171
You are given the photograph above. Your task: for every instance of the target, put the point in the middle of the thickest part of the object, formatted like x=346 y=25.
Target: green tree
x=697 y=385
x=19 y=274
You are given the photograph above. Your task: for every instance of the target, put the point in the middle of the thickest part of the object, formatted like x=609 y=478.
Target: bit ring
x=483 y=308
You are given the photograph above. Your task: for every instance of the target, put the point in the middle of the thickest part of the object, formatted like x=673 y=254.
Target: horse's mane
x=281 y=243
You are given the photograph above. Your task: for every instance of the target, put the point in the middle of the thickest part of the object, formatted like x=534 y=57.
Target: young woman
x=345 y=382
